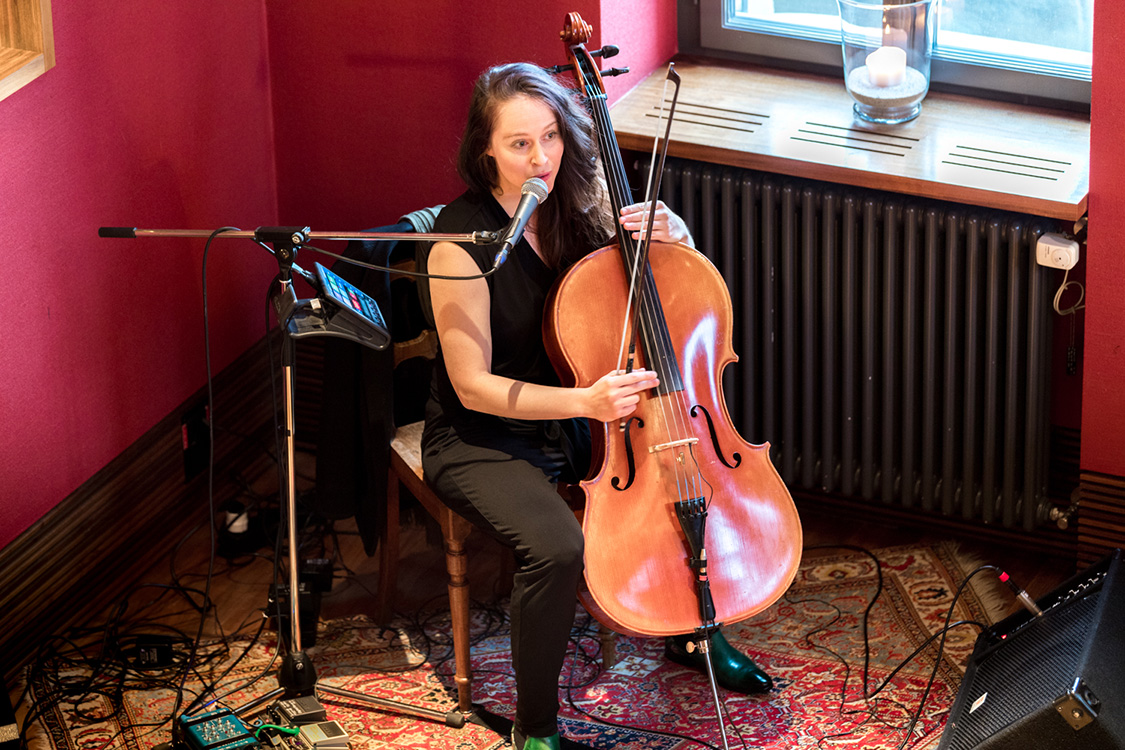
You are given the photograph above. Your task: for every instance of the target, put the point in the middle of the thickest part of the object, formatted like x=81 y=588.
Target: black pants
x=507 y=488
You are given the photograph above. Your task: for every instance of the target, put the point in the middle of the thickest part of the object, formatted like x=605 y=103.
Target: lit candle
x=886 y=66
x=893 y=37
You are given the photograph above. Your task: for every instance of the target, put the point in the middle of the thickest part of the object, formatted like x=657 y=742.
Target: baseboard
x=71 y=564
x=1101 y=515
x=1046 y=539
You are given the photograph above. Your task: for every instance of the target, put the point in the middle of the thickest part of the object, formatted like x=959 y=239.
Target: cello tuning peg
x=606 y=51
x=556 y=69
x=614 y=72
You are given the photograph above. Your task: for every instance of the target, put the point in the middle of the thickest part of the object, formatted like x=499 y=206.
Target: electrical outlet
x=1056 y=251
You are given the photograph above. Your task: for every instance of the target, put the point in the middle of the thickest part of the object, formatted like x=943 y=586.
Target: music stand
x=339 y=310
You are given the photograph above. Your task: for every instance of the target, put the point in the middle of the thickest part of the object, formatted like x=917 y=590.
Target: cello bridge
x=673 y=444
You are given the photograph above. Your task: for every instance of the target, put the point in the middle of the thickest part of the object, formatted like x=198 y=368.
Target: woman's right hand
x=616 y=394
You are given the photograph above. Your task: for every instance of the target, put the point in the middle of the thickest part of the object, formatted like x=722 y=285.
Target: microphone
x=531 y=194
x=125 y=233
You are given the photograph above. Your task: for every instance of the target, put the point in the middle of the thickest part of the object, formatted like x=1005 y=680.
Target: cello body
x=637 y=570
x=686 y=523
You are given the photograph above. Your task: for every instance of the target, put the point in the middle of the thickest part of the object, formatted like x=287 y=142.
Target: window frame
x=958 y=76
x=27 y=44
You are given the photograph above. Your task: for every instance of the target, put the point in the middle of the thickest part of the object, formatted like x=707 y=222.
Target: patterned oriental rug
x=812 y=642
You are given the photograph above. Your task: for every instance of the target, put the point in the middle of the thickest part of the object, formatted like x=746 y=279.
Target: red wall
x=162 y=116
x=1103 y=384
x=156 y=115
x=369 y=105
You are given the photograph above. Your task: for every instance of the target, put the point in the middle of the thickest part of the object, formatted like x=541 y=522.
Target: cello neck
x=613 y=165
x=659 y=355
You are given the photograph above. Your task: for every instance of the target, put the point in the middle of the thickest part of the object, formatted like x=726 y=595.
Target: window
x=1037 y=48
x=27 y=47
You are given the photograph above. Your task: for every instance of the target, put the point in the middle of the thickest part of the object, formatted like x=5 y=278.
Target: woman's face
x=525 y=143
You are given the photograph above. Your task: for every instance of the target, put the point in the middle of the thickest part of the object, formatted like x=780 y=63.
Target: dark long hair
x=576 y=218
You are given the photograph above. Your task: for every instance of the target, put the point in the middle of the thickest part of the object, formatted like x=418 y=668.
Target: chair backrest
x=415 y=346
x=423 y=221
x=424 y=342
x=415 y=338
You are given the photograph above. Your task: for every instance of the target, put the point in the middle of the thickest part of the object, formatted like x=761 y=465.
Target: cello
x=686 y=523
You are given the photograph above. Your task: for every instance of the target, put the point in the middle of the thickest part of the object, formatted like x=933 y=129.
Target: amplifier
x=1054 y=681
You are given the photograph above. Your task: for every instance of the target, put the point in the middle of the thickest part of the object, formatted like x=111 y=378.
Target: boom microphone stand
x=339 y=310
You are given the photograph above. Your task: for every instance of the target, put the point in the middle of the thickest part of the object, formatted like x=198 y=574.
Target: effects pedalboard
x=292 y=724
x=216 y=729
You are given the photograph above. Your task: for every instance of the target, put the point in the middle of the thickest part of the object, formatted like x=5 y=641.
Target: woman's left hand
x=666 y=225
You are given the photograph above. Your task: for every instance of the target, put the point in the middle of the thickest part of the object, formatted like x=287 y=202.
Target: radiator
x=892 y=350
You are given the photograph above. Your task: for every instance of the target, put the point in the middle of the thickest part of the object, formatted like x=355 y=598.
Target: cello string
x=614 y=169
x=642 y=289
x=672 y=408
x=648 y=213
x=673 y=417
x=689 y=481
x=616 y=184
x=679 y=413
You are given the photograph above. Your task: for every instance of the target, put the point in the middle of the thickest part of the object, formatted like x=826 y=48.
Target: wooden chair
x=414 y=338
x=406 y=471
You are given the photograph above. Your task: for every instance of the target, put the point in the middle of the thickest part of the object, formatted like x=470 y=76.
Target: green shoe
x=534 y=743
x=734 y=670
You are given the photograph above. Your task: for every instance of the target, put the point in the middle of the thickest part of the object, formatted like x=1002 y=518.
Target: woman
x=500 y=431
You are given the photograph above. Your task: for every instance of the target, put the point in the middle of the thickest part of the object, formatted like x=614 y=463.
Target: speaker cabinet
x=1056 y=681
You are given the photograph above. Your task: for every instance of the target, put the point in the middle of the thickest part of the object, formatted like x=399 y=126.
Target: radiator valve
x=1060 y=515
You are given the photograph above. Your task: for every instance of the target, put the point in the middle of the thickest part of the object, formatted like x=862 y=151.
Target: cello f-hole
x=715 y=439
x=616 y=481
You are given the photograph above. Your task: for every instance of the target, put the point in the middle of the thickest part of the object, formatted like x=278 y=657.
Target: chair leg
x=388 y=555
x=456 y=562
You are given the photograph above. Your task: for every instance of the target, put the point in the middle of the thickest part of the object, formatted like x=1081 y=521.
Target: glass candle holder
x=887 y=47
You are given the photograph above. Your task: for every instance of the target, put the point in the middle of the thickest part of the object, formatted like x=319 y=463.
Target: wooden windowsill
x=1004 y=156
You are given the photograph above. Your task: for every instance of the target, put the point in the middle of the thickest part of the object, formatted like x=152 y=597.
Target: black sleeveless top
x=518 y=293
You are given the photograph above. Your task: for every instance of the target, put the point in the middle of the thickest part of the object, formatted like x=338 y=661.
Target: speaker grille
x=1037 y=664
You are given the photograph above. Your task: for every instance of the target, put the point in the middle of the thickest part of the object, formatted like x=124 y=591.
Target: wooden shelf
x=990 y=154
x=27 y=43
